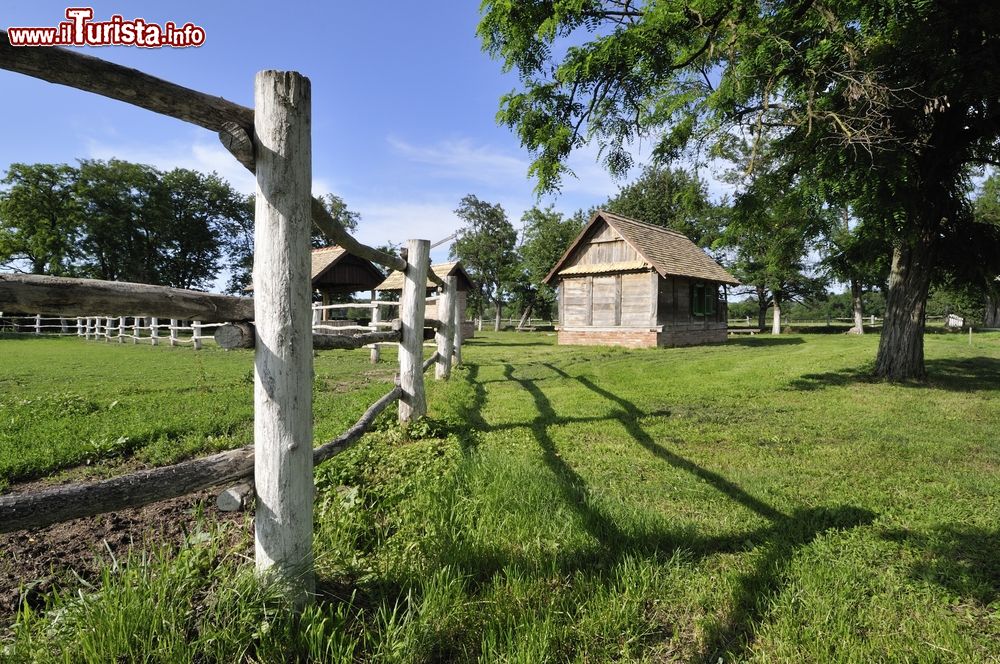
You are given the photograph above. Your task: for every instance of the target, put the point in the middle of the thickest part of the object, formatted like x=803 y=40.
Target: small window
x=704 y=299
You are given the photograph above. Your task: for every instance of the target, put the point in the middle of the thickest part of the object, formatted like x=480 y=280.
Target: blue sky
x=404 y=102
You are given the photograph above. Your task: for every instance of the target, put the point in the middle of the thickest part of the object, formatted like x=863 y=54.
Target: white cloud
x=199 y=154
x=463 y=159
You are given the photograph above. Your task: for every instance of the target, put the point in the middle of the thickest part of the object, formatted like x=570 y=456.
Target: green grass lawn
x=761 y=501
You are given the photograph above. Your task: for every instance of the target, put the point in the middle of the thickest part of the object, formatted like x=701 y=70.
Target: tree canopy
x=487 y=247
x=891 y=105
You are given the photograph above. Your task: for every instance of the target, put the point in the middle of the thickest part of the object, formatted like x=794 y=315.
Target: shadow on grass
x=954 y=375
x=780 y=540
x=962 y=560
x=764 y=341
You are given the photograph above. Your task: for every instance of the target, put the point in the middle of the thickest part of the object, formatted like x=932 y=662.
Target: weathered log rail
x=273 y=141
x=75 y=501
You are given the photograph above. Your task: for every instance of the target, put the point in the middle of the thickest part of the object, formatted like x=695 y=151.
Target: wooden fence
x=272 y=140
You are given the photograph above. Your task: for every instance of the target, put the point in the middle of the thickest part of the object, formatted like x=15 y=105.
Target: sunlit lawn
x=759 y=501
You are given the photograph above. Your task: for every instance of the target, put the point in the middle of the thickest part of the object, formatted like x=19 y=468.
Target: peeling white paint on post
x=456 y=330
x=376 y=319
x=154 y=330
x=283 y=356
x=445 y=335
x=412 y=303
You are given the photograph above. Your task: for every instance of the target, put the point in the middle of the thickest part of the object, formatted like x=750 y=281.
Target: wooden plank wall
x=604 y=246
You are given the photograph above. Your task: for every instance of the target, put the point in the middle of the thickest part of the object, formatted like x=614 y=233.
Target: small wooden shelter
x=626 y=283
x=337 y=272
x=394 y=283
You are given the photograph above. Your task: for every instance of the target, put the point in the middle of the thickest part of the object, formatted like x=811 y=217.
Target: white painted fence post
x=108 y=326
x=38 y=323
x=79 y=326
x=376 y=318
x=121 y=329
x=154 y=331
x=173 y=331
x=63 y=325
x=196 y=334
x=283 y=355
x=445 y=336
x=457 y=331
x=412 y=303
x=135 y=329
x=317 y=316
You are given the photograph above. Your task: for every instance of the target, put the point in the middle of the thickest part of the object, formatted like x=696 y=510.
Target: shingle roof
x=323 y=259
x=667 y=251
x=451 y=269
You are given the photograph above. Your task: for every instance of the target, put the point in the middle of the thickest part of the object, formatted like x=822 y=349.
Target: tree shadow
x=780 y=540
x=764 y=341
x=962 y=560
x=972 y=374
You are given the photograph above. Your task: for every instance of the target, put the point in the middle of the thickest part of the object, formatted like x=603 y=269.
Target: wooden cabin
x=626 y=283
x=394 y=283
x=337 y=272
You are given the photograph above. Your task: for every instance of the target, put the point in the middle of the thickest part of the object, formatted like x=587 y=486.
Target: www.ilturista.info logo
x=82 y=30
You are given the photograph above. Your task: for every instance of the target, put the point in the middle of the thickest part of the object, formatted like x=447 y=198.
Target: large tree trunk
x=496 y=322
x=991 y=318
x=859 y=311
x=776 y=319
x=901 y=346
x=761 y=308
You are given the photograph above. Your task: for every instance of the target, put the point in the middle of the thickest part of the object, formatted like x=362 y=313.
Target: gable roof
x=325 y=258
x=666 y=251
x=451 y=269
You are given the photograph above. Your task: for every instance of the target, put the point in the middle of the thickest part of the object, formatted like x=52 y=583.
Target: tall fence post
x=154 y=331
x=457 y=331
x=136 y=329
x=79 y=326
x=38 y=323
x=121 y=329
x=283 y=355
x=412 y=304
x=445 y=335
x=173 y=331
x=376 y=319
x=108 y=326
x=196 y=334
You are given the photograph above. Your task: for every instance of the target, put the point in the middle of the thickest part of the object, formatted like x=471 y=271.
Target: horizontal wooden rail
x=242 y=335
x=429 y=362
x=234 y=123
x=75 y=501
x=84 y=72
x=78 y=297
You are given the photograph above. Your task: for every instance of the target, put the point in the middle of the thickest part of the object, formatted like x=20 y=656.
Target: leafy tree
x=40 y=218
x=672 y=198
x=546 y=235
x=857 y=259
x=487 y=248
x=123 y=209
x=985 y=269
x=893 y=104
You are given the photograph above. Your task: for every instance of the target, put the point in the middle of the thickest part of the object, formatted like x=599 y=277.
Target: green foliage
x=674 y=199
x=40 y=218
x=487 y=248
x=546 y=235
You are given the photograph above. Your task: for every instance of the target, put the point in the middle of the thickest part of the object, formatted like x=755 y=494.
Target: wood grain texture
x=29 y=293
x=445 y=335
x=84 y=72
x=413 y=403
x=283 y=470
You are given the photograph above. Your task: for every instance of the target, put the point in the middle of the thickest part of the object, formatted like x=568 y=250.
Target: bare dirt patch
x=33 y=562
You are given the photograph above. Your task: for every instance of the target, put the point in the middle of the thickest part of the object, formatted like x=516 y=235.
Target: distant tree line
x=789 y=247
x=119 y=221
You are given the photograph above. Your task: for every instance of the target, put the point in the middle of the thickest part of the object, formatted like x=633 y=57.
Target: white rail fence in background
x=175 y=332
